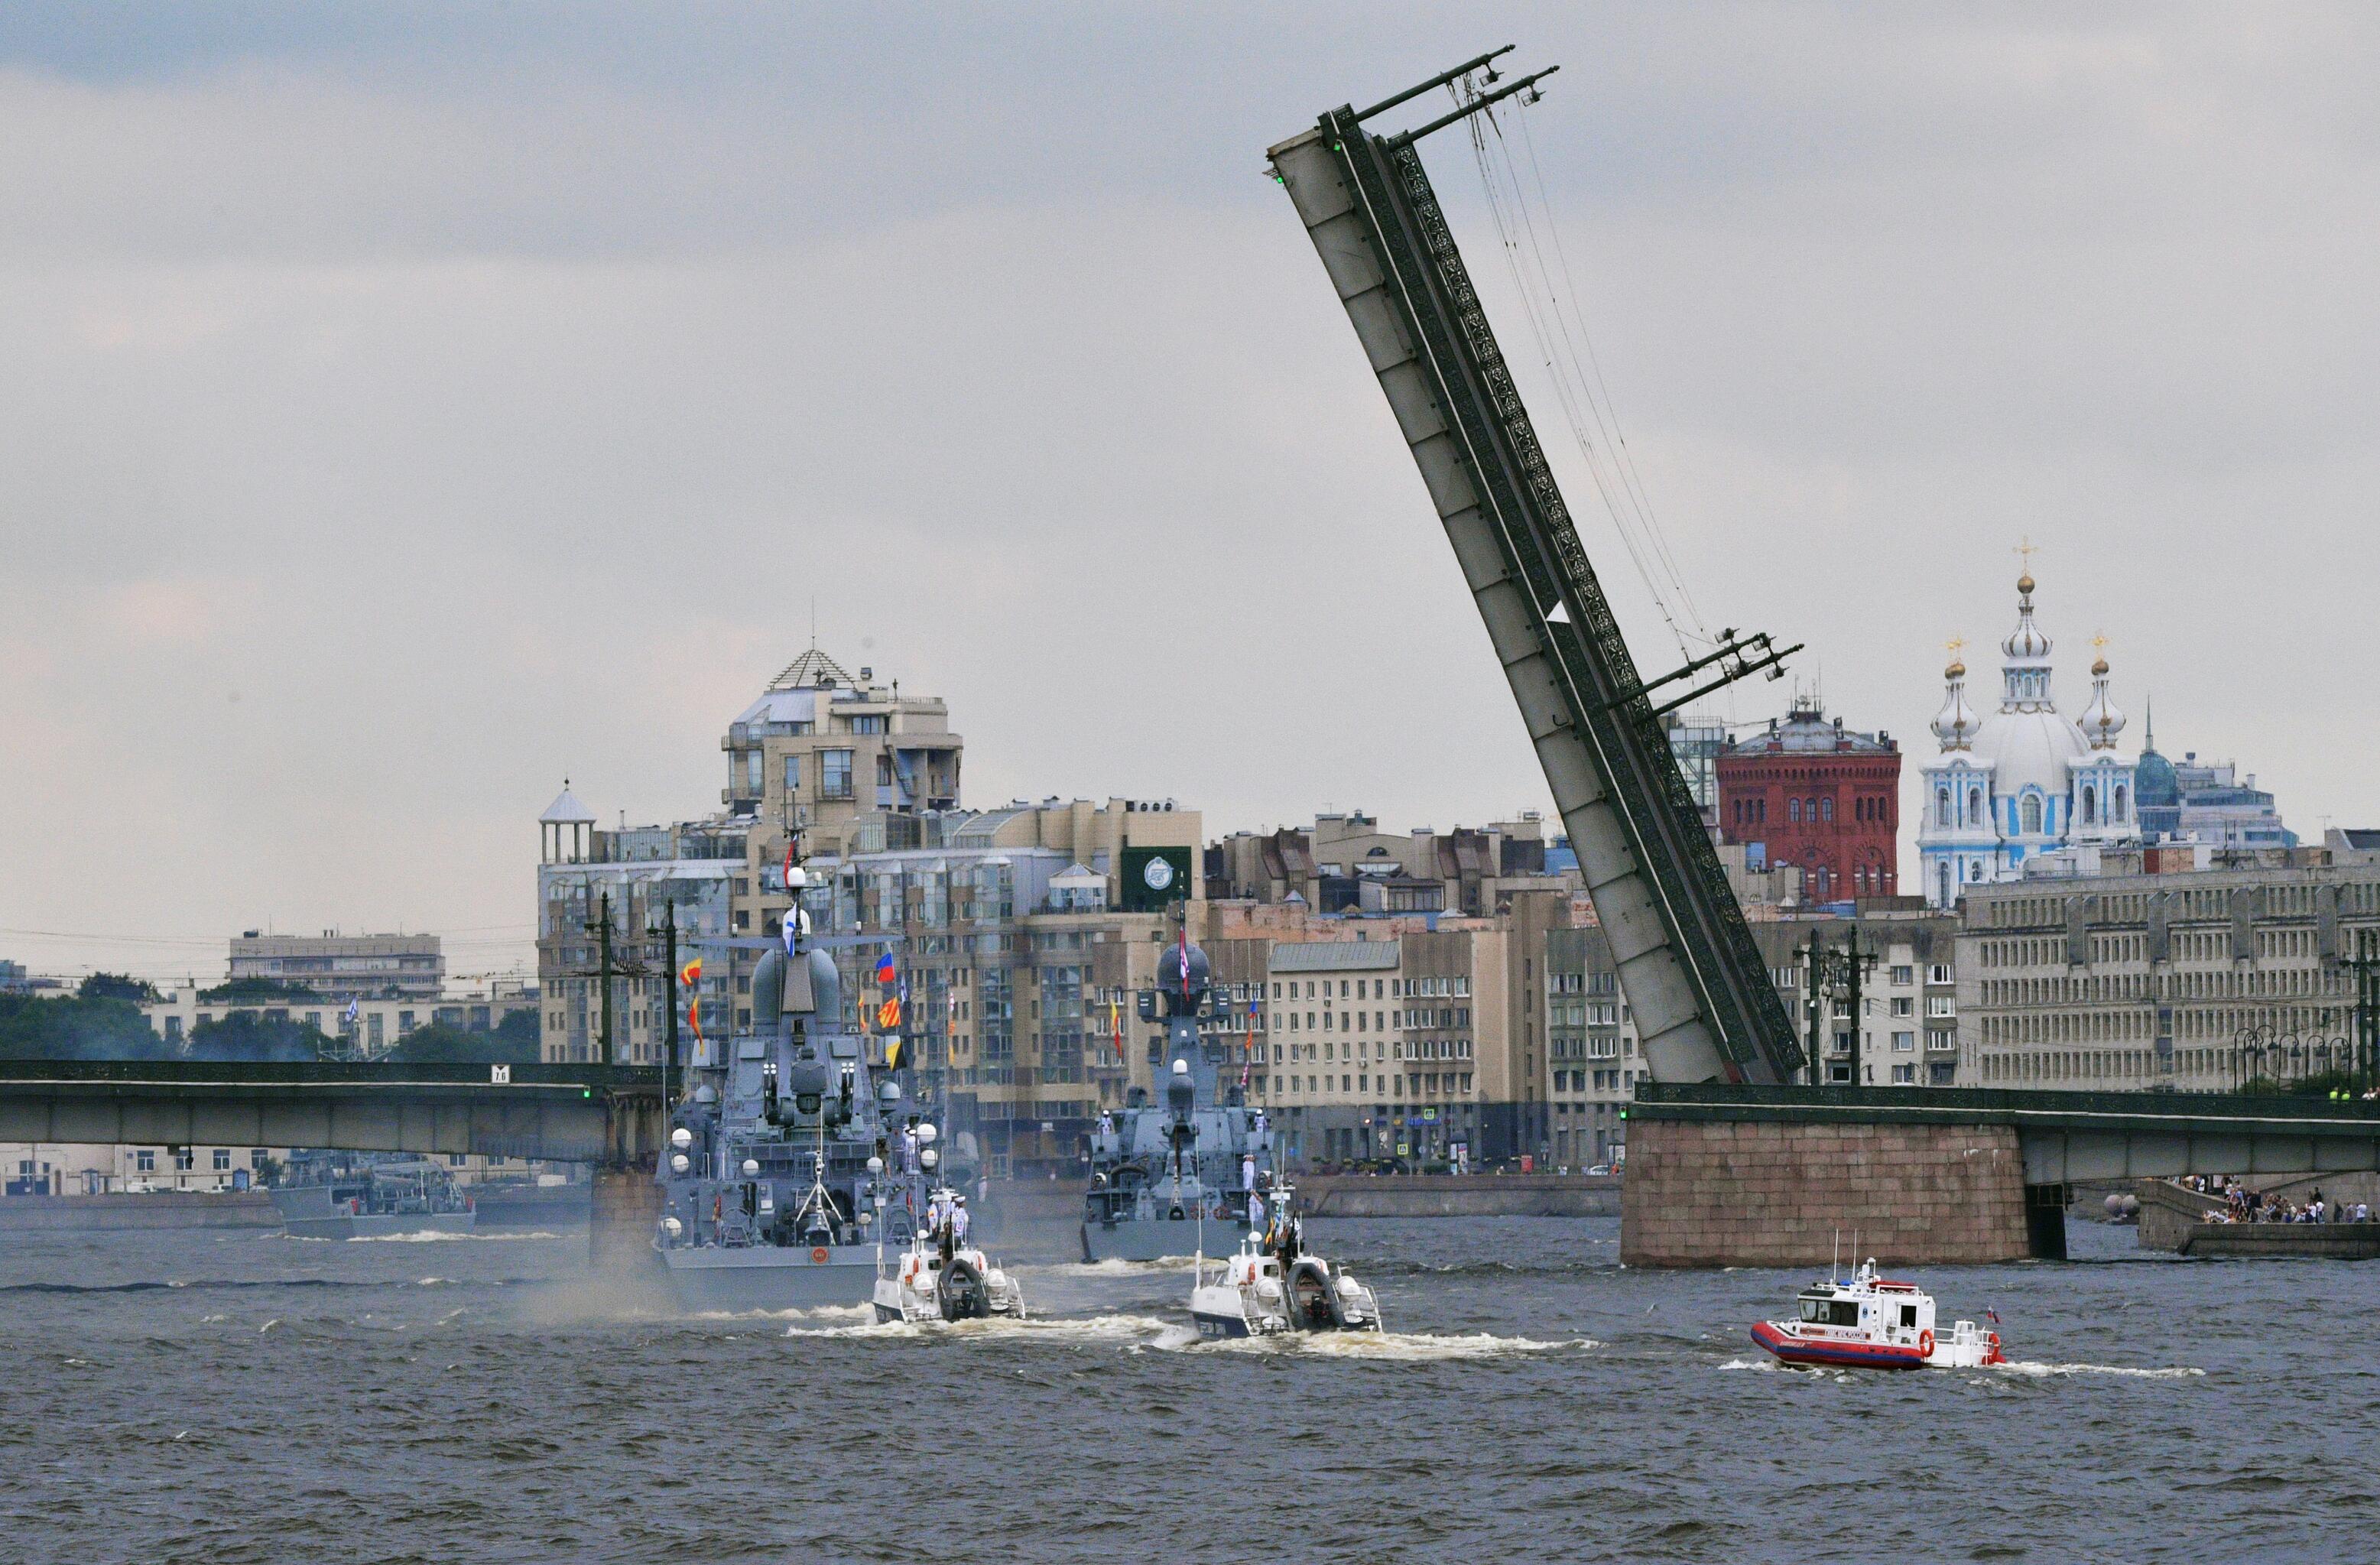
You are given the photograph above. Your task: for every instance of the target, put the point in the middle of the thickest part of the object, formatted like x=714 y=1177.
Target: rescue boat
x=1871 y=1322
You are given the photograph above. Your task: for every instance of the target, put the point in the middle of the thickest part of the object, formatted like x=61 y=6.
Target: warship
x=372 y=1198
x=1169 y=1179
x=797 y=1157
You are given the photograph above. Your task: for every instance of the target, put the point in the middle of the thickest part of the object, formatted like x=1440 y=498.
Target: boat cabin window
x=1909 y=1315
x=1830 y=1312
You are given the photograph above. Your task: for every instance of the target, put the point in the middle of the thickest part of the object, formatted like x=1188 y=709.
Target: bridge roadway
x=611 y=1115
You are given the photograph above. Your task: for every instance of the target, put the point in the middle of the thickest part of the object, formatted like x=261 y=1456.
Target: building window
x=1942 y=881
x=222 y=1159
x=751 y=771
x=835 y=774
x=183 y=1161
x=2090 y=805
x=1974 y=807
x=145 y=1160
x=793 y=774
x=1793 y=809
x=2031 y=815
x=1825 y=809
x=2119 y=802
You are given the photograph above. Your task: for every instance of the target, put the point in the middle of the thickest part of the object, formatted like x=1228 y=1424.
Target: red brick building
x=1810 y=793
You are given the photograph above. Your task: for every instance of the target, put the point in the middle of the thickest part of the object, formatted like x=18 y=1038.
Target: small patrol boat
x=1273 y=1285
x=938 y=1277
x=1871 y=1322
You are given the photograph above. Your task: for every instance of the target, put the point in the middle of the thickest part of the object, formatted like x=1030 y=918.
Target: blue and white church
x=2024 y=780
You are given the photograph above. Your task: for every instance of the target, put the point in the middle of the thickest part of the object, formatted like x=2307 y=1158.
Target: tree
x=520 y=1029
x=439 y=1044
x=259 y=989
x=71 y=1027
x=116 y=986
x=247 y=1035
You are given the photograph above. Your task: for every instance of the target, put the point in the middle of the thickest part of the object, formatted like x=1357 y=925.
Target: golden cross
x=2099 y=642
x=2027 y=548
x=1957 y=645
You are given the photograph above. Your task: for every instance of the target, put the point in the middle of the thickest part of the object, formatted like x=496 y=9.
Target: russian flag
x=884 y=969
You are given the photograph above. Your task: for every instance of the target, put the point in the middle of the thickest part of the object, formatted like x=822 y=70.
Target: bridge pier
x=623 y=1207
x=1782 y=1192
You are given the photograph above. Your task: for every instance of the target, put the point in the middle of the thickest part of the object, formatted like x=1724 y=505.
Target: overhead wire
x=1565 y=392
x=1567 y=350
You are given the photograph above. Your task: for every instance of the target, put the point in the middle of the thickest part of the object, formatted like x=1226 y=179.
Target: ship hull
x=772 y=1277
x=1819 y=1354
x=307 y=1212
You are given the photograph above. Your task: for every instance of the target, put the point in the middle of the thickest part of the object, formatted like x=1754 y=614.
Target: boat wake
x=434 y=1236
x=1131 y=1329
x=1389 y=1347
x=2043 y=1371
x=1113 y=1267
x=845 y=1315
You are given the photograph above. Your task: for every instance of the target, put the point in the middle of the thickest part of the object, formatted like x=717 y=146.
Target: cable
x=1564 y=390
x=1570 y=385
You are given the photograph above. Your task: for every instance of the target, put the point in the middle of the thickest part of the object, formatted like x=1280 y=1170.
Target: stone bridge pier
x=1722 y=1175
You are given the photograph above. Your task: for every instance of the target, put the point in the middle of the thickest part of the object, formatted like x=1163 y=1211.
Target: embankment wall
x=1461 y=1195
x=165 y=1208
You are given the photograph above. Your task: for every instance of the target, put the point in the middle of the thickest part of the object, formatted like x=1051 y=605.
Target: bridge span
x=1734 y=1175
x=610 y=1115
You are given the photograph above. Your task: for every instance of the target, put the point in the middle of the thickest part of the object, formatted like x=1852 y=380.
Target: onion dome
x=1956 y=723
x=2100 y=721
x=2026 y=670
x=2027 y=640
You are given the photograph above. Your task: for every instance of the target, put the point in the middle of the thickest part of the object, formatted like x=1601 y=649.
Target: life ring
x=1925 y=1344
x=817 y=1254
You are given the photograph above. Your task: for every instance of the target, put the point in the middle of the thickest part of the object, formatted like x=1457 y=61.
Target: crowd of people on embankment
x=2244 y=1205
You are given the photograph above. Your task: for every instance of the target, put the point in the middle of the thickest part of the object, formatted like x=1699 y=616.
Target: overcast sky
x=404 y=408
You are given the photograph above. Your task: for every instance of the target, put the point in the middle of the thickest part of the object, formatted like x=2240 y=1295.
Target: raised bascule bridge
x=1729 y=1160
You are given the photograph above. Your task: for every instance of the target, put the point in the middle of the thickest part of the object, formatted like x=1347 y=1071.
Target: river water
x=241 y=1396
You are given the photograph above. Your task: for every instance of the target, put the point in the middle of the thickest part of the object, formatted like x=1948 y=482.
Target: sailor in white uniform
x=959 y=1221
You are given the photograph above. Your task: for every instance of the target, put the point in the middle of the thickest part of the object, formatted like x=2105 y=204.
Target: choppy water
x=243 y=1396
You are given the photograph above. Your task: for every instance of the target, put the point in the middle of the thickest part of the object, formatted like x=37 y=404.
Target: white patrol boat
x=937 y=1278
x=1871 y=1322
x=1273 y=1285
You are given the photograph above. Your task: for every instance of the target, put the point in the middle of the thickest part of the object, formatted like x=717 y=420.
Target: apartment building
x=606 y=900
x=1026 y=934
x=358 y=1028
x=2198 y=981
x=340 y=966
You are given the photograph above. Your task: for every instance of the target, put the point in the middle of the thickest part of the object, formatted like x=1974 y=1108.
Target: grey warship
x=1168 y=1178
x=795 y=1161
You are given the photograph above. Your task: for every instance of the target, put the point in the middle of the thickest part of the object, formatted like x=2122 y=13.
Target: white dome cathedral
x=2023 y=780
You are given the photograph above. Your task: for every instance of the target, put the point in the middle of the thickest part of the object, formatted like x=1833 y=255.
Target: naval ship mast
x=1699 y=990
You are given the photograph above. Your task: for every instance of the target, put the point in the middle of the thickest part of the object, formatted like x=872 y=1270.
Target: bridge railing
x=2354 y=1116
